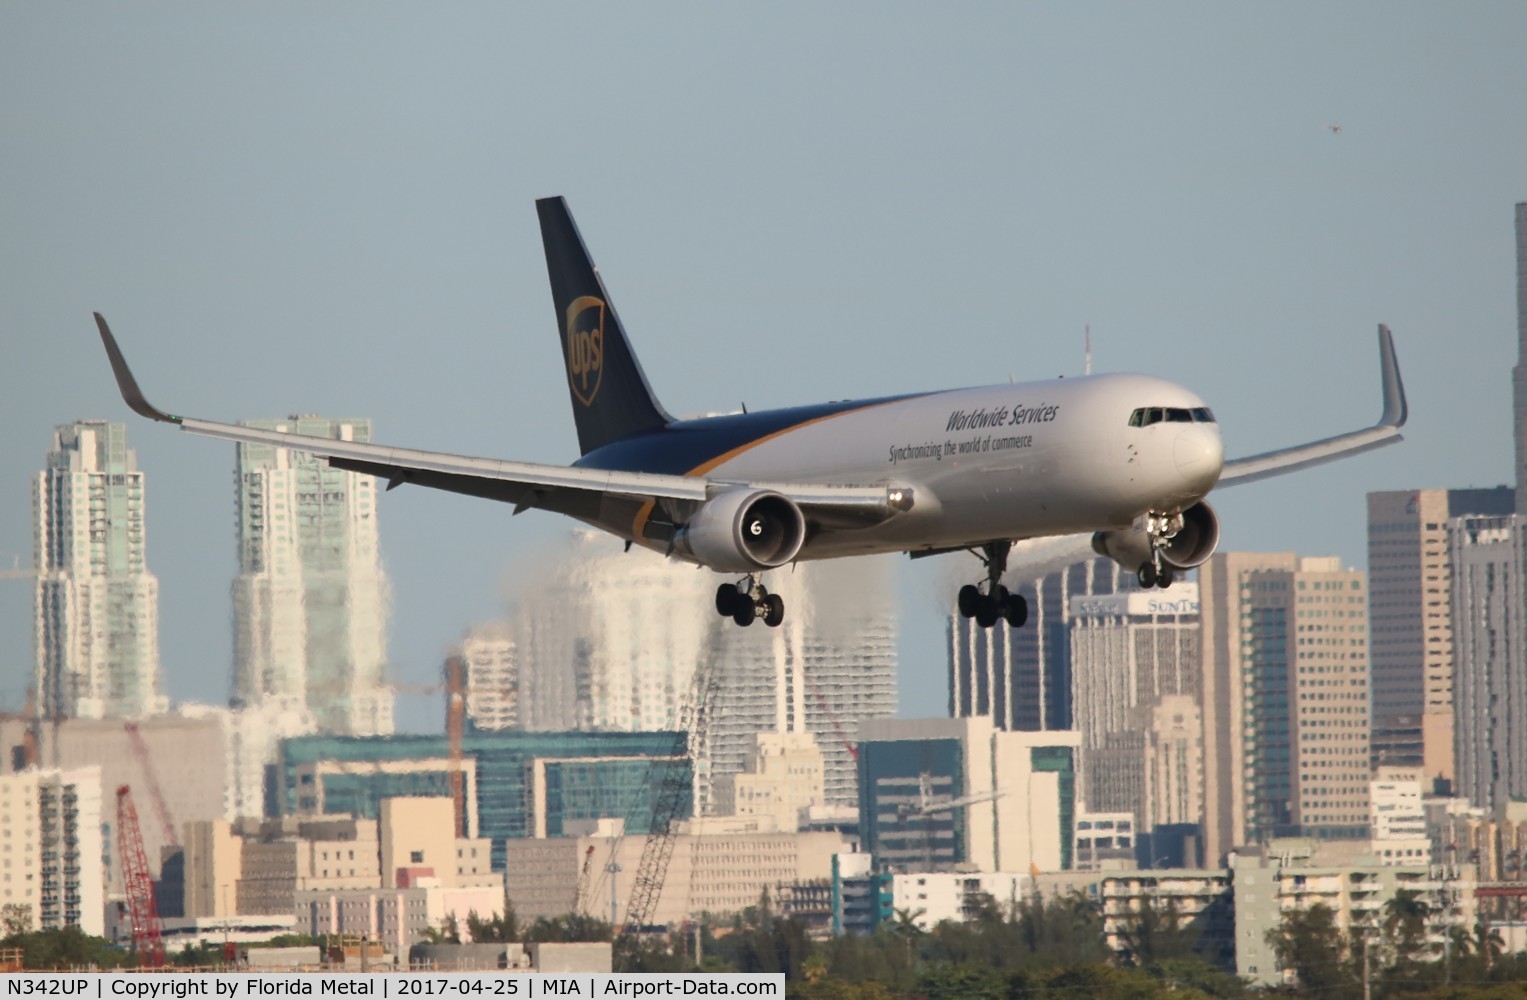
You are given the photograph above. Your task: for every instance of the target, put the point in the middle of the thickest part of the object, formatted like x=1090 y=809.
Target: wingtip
x=126 y=384
x=1396 y=410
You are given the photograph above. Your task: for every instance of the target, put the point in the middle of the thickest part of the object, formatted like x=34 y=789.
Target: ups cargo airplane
x=1128 y=459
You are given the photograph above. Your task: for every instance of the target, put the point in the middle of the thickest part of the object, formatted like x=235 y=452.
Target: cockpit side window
x=1147 y=415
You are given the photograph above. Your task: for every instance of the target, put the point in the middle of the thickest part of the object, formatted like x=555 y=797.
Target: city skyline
x=1006 y=177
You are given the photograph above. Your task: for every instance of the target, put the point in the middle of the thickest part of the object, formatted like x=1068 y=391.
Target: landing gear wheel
x=1165 y=578
x=774 y=610
x=745 y=612
x=1146 y=574
x=727 y=596
x=968 y=600
x=987 y=611
x=1016 y=610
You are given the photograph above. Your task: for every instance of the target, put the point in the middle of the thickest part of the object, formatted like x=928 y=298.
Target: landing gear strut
x=995 y=603
x=746 y=600
x=1158 y=572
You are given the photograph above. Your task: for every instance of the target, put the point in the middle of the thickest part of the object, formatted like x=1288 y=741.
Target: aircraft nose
x=1200 y=455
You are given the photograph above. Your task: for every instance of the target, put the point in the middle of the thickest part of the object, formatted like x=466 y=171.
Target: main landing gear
x=746 y=600
x=995 y=603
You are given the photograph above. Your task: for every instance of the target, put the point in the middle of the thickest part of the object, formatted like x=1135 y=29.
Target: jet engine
x=742 y=531
x=1188 y=544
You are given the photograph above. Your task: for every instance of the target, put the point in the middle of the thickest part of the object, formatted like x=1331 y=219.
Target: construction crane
x=455 y=714
x=580 y=898
x=678 y=780
x=140 y=750
x=138 y=885
x=831 y=716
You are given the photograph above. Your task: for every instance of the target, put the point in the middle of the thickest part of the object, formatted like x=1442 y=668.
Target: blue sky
x=328 y=208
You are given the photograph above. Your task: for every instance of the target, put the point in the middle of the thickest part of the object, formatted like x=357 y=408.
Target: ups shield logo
x=585 y=347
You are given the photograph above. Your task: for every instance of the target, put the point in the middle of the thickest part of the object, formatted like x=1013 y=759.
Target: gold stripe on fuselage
x=644 y=514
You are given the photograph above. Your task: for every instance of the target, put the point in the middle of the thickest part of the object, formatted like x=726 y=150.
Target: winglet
x=1395 y=409
x=128 y=385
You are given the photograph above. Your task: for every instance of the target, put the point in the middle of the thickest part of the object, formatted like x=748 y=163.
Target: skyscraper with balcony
x=96 y=621
x=310 y=600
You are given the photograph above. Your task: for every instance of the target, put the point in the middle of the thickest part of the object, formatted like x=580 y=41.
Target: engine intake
x=742 y=531
x=1192 y=544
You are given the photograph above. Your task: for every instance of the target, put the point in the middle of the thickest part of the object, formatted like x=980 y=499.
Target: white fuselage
x=1000 y=462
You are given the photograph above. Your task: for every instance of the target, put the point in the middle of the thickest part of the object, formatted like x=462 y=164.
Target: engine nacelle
x=742 y=531
x=1192 y=544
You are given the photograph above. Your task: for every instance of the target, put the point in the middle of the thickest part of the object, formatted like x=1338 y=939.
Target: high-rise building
x=1021 y=678
x=1411 y=624
x=491 y=677
x=310 y=600
x=53 y=850
x=610 y=640
x=1285 y=699
x=96 y=622
x=1519 y=372
x=1136 y=667
x=1490 y=698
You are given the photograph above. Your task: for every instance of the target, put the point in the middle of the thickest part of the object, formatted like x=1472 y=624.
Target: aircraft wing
x=1385 y=432
x=564 y=489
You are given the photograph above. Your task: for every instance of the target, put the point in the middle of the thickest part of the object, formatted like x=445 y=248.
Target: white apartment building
x=1289 y=876
x=783 y=774
x=51 y=847
x=310 y=601
x=491 y=677
x=96 y=622
x=933 y=897
x=1397 y=816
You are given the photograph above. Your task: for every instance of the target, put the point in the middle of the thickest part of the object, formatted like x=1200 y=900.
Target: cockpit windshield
x=1147 y=415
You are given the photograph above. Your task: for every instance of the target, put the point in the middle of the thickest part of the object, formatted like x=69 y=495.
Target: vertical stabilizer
x=611 y=398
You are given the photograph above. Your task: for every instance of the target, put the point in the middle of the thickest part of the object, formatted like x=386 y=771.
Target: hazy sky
x=328 y=208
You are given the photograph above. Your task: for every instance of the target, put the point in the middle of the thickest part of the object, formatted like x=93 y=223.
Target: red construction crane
x=138 y=885
x=832 y=717
x=140 y=750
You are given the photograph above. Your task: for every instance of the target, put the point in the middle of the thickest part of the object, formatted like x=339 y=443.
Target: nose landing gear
x=748 y=599
x=1158 y=572
x=996 y=603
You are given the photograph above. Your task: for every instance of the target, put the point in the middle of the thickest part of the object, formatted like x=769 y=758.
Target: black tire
x=727 y=596
x=1165 y=578
x=1016 y=610
x=1146 y=574
x=987 y=612
x=744 y=613
x=968 y=600
x=774 y=610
